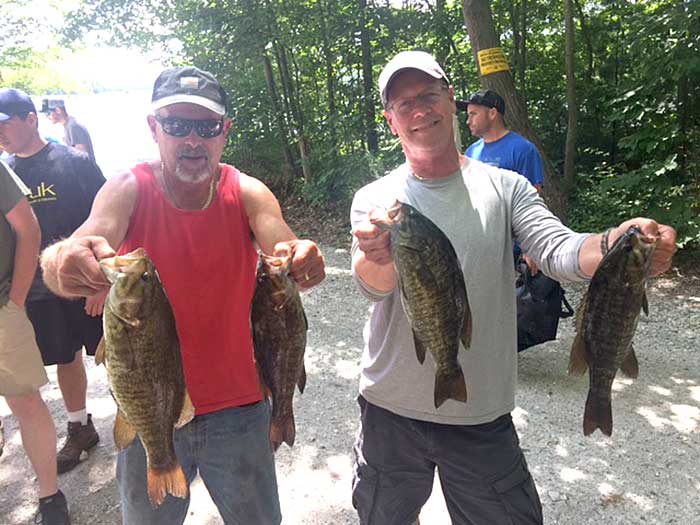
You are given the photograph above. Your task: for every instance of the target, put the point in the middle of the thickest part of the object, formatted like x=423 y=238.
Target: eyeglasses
x=181 y=127
x=407 y=106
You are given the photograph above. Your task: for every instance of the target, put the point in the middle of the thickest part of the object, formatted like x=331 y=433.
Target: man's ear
x=152 y=125
x=389 y=120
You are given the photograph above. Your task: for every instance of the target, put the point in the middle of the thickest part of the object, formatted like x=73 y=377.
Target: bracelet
x=604 y=248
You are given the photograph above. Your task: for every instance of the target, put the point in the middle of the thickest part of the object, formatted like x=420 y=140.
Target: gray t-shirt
x=76 y=133
x=12 y=190
x=482 y=210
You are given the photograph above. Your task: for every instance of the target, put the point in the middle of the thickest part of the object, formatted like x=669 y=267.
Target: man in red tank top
x=201 y=222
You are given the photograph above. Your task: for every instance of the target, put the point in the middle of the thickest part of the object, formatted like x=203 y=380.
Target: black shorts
x=482 y=471
x=63 y=328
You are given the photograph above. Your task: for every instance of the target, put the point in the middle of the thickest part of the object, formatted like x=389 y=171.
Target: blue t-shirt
x=511 y=152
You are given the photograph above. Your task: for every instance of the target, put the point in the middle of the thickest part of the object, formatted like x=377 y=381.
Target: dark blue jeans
x=231 y=451
x=482 y=470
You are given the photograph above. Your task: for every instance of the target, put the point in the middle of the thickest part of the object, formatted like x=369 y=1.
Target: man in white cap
x=403 y=437
x=200 y=221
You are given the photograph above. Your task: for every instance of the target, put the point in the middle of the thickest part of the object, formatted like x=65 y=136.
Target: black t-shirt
x=63 y=182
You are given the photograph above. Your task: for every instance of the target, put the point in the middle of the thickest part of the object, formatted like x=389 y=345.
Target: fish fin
x=301 y=383
x=101 y=352
x=123 y=432
x=598 y=414
x=645 y=304
x=630 y=365
x=282 y=431
x=450 y=387
x=420 y=349
x=306 y=321
x=163 y=482
x=187 y=412
x=578 y=359
x=466 y=336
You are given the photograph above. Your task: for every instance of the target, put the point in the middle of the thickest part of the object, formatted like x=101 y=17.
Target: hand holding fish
x=95 y=304
x=665 y=237
x=308 y=268
x=71 y=267
x=374 y=241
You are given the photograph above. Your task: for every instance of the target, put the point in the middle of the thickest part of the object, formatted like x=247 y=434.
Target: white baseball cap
x=419 y=60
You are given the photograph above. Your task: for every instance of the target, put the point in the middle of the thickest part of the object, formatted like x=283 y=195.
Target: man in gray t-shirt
x=75 y=134
x=482 y=209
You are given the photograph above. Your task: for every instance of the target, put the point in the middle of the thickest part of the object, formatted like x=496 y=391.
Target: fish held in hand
x=606 y=322
x=141 y=352
x=279 y=340
x=433 y=295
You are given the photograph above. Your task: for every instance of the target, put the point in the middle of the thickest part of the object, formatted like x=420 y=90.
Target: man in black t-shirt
x=63 y=183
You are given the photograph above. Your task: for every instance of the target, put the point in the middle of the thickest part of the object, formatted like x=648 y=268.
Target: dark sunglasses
x=181 y=127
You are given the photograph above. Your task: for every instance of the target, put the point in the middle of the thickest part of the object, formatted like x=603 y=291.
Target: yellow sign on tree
x=492 y=60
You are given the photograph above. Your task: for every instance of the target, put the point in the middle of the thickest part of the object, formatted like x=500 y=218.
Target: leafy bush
x=658 y=189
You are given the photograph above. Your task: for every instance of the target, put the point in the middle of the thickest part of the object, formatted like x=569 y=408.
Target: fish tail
x=598 y=414
x=166 y=481
x=450 y=387
x=282 y=431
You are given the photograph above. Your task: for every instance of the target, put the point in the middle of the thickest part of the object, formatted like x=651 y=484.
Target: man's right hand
x=374 y=242
x=71 y=267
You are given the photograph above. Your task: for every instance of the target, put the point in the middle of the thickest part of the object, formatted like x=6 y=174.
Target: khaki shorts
x=21 y=369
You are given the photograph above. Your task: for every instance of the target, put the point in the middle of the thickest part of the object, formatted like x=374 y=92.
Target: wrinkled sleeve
x=554 y=247
x=79 y=135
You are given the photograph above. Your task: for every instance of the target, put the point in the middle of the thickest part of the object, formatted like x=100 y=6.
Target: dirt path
x=648 y=472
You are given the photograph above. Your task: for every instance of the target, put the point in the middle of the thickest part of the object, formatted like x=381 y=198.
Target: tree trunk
x=330 y=74
x=570 y=61
x=287 y=176
x=367 y=84
x=589 y=42
x=482 y=35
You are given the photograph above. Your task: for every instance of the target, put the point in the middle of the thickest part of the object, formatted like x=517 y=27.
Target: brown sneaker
x=80 y=437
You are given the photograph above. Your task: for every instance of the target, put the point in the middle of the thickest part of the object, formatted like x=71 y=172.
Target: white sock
x=78 y=416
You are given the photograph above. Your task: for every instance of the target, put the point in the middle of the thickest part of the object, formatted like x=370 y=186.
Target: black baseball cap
x=14 y=102
x=49 y=104
x=191 y=85
x=490 y=99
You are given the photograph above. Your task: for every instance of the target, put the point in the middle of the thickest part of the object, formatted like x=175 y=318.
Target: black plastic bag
x=540 y=303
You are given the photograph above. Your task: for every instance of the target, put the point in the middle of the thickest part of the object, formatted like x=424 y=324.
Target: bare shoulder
x=122 y=184
x=112 y=209
x=255 y=194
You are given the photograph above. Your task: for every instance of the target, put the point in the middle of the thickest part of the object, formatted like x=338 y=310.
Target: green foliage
x=606 y=198
x=339 y=178
x=638 y=88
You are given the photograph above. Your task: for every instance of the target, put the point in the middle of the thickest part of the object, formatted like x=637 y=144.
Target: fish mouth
x=112 y=266
x=390 y=219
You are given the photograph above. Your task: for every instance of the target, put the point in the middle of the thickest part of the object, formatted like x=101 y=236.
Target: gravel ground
x=648 y=472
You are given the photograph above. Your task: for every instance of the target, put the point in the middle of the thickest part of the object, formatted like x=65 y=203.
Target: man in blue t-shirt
x=498 y=145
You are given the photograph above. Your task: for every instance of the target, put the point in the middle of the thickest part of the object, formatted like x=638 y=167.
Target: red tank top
x=206 y=260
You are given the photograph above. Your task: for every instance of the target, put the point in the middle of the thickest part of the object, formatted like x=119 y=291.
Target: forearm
x=49 y=267
x=379 y=278
x=25 y=264
x=590 y=255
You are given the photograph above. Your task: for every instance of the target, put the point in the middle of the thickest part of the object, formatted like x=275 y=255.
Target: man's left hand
x=308 y=268
x=664 y=235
